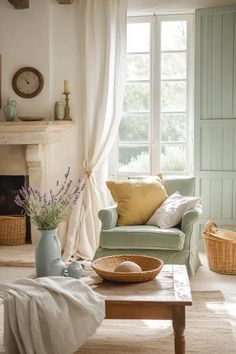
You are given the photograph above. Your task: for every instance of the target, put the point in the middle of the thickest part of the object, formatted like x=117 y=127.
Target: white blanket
x=51 y=315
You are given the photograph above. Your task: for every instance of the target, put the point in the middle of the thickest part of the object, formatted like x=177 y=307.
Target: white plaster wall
x=45 y=37
x=64 y=64
x=64 y=57
x=173 y=6
x=24 y=41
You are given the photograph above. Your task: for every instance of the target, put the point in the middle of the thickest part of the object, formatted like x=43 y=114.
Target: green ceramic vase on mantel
x=10 y=110
x=59 y=110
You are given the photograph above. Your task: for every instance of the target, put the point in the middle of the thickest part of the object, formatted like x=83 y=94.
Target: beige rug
x=17 y=256
x=208 y=331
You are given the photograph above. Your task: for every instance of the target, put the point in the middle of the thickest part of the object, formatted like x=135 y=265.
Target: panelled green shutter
x=215 y=113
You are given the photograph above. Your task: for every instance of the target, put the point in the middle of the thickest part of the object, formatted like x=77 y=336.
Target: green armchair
x=177 y=245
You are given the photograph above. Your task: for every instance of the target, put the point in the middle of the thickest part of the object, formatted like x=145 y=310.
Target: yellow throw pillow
x=136 y=200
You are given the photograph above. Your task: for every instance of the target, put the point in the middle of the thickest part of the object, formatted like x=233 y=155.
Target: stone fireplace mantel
x=38 y=132
x=36 y=137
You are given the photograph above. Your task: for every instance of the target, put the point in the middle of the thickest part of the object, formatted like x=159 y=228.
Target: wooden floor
x=206 y=280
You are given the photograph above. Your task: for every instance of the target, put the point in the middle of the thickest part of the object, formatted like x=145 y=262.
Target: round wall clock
x=27 y=82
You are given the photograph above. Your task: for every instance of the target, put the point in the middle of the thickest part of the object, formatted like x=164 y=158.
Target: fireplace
x=9 y=185
x=28 y=148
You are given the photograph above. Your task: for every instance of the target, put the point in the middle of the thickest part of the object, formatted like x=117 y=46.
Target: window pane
x=136 y=97
x=138 y=66
x=134 y=128
x=138 y=37
x=173 y=157
x=173 y=96
x=173 y=35
x=133 y=159
x=173 y=65
x=173 y=127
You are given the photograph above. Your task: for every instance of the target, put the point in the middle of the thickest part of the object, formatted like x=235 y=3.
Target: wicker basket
x=105 y=266
x=12 y=230
x=220 y=247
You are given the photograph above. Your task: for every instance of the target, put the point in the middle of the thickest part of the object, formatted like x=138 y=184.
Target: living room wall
x=45 y=37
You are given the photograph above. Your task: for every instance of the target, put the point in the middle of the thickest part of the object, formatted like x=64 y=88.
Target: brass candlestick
x=67 y=107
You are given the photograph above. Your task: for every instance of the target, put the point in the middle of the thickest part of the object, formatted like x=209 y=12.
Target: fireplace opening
x=9 y=186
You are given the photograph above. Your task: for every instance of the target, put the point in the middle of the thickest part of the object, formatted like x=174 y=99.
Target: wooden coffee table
x=163 y=298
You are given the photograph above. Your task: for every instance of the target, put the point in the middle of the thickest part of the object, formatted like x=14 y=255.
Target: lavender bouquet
x=46 y=212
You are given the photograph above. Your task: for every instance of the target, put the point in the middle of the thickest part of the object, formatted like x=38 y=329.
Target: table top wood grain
x=171 y=286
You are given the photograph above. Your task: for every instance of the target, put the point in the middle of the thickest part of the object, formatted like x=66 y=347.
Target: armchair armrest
x=187 y=223
x=108 y=217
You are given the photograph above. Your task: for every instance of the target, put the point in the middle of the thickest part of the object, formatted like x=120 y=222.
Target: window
x=156 y=125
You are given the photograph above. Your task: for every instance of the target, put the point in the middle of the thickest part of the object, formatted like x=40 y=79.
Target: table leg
x=179 y=327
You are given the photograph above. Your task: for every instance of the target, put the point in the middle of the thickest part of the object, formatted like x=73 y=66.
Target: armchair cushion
x=172 y=210
x=185 y=185
x=136 y=200
x=142 y=237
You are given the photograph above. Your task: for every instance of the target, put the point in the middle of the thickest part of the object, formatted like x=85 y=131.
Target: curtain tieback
x=87 y=173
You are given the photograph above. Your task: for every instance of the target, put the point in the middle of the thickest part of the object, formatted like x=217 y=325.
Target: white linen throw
x=51 y=315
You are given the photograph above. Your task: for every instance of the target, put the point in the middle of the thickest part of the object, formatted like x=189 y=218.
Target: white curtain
x=102 y=33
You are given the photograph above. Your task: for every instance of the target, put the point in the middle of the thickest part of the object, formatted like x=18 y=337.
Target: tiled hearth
x=34 y=139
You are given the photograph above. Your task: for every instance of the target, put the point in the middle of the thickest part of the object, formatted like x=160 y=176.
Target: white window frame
x=155 y=113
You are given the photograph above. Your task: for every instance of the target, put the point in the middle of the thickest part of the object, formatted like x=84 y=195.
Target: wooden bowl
x=105 y=266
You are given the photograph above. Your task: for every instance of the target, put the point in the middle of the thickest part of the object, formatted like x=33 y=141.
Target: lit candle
x=66 y=86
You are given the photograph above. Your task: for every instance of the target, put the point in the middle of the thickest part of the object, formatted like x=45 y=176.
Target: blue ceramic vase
x=47 y=250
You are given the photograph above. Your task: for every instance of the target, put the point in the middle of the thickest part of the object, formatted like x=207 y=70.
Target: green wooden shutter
x=215 y=113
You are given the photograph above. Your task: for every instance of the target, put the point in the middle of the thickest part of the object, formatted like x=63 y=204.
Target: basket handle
x=219 y=237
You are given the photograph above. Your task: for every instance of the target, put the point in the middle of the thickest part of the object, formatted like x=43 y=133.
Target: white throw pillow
x=170 y=213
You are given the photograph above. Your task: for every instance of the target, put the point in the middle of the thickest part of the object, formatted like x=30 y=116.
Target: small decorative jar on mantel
x=10 y=110
x=59 y=110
